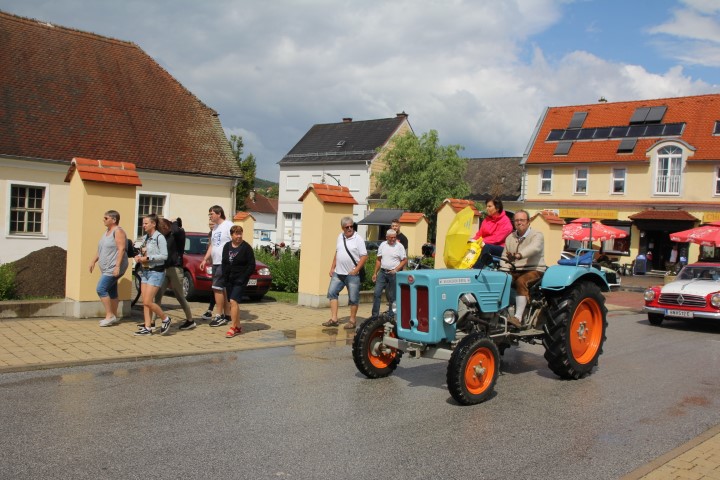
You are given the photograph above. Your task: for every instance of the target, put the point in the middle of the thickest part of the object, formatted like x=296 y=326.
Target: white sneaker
x=106 y=322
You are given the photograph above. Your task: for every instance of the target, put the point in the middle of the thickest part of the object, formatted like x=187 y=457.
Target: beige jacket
x=531 y=247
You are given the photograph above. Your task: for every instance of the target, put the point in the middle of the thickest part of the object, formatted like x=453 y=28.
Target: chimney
x=402 y=114
x=252 y=196
x=347 y=119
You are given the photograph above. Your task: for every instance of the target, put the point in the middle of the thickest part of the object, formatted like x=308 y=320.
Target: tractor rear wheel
x=372 y=357
x=575 y=330
x=473 y=369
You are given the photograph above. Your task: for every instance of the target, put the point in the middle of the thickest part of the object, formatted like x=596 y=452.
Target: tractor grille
x=684 y=300
x=423 y=308
x=405 y=306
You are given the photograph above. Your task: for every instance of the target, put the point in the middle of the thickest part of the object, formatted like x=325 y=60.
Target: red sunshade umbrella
x=583 y=229
x=707 y=235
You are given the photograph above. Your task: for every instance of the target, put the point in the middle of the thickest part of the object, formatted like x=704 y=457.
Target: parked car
x=695 y=293
x=198 y=282
x=612 y=276
x=372 y=245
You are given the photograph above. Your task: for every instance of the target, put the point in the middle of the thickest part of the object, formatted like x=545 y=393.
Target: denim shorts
x=107 y=287
x=338 y=282
x=218 y=283
x=151 y=277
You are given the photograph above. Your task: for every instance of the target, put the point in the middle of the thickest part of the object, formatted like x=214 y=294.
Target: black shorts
x=235 y=292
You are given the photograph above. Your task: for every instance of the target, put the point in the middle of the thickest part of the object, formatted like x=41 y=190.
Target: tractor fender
x=559 y=277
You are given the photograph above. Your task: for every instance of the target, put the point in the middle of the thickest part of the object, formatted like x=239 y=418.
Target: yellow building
x=649 y=167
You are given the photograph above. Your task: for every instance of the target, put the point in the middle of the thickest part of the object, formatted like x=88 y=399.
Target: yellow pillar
x=247 y=222
x=96 y=186
x=415 y=227
x=323 y=208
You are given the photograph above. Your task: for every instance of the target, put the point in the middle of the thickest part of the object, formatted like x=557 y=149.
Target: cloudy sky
x=480 y=72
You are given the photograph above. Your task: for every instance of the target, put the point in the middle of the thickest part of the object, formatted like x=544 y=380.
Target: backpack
x=130 y=249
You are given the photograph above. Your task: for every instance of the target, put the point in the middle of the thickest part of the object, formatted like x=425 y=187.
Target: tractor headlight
x=450 y=316
x=649 y=295
x=715 y=300
x=393 y=308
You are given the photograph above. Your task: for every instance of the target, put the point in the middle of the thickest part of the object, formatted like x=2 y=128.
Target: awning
x=675 y=215
x=381 y=216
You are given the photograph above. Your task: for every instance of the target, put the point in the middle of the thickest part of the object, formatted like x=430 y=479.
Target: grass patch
x=285 y=297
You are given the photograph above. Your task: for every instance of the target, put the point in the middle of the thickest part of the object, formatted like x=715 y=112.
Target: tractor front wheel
x=473 y=369
x=575 y=330
x=372 y=357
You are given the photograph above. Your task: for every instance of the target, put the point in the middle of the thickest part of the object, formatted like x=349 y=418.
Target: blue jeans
x=107 y=287
x=384 y=281
x=338 y=282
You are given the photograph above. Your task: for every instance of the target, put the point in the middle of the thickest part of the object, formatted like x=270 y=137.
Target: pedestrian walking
x=391 y=258
x=348 y=261
x=112 y=257
x=174 y=273
x=208 y=315
x=238 y=263
x=152 y=256
x=220 y=236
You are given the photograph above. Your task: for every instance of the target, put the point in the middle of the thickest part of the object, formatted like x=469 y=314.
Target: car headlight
x=450 y=316
x=208 y=270
x=265 y=272
x=649 y=295
x=715 y=300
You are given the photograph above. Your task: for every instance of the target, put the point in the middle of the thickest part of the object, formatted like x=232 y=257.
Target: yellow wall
x=416 y=234
x=321 y=227
x=379 y=164
x=88 y=202
x=248 y=225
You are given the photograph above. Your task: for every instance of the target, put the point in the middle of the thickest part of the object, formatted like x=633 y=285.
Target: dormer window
x=340 y=144
x=668 y=173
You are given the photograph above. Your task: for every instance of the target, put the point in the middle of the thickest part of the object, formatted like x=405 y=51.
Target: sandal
x=331 y=323
x=234 y=331
x=349 y=326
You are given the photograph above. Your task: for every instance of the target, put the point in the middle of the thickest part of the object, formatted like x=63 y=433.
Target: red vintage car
x=695 y=293
x=199 y=282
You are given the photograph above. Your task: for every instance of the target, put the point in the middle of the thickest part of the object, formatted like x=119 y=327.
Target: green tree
x=421 y=173
x=248 y=168
x=272 y=191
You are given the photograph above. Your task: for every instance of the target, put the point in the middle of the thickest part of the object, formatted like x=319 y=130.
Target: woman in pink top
x=495 y=227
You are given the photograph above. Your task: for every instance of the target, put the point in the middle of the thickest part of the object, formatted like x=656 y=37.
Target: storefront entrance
x=655 y=242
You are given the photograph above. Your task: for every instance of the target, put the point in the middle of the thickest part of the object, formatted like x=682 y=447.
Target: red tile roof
x=550 y=217
x=408 y=217
x=261 y=204
x=330 y=193
x=242 y=216
x=663 y=215
x=458 y=204
x=67 y=93
x=104 y=171
x=699 y=113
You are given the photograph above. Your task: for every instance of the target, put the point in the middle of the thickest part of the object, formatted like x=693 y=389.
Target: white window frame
x=615 y=178
x=669 y=176
x=717 y=181
x=578 y=180
x=45 y=207
x=543 y=180
x=355 y=181
x=292 y=183
x=138 y=215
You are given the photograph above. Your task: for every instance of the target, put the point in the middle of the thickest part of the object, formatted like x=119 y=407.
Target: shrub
x=7 y=281
x=285 y=269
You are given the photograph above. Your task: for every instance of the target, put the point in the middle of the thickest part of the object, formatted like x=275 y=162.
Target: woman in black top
x=238 y=263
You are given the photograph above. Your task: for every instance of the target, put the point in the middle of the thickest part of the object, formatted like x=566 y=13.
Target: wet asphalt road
x=306 y=413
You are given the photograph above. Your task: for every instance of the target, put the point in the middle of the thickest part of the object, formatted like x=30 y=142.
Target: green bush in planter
x=7 y=281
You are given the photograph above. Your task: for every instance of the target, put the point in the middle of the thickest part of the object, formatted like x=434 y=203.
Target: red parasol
x=707 y=235
x=584 y=229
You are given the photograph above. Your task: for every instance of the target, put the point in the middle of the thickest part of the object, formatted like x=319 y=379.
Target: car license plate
x=679 y=313
x=252 y=282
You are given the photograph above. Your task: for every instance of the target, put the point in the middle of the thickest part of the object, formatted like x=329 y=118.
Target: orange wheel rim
x=479 y=371
x=586 y=331
x=380 y=355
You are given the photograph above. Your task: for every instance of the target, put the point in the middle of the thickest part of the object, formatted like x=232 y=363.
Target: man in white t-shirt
x=220 y=236
x=350 y=257
x=391 y=258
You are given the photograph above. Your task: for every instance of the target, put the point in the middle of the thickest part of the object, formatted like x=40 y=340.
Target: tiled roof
x=67 y=93
x=261 y=204
x=663 y=215
x=551 y=218
x=330 y=193
x=493 y=177
x=408 y=217
x=239 y=216
x=104 y=171
x=699 y=113
x=458 y=204
x=344 y=142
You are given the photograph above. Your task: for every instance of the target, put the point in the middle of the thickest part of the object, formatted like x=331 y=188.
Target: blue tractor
x=462 y=316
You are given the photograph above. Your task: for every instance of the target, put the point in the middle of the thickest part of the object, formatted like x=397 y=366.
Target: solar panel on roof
x=655 y=115
x=563 y=148
x=654 y=130
x=571 y=134
x=586 y=134
x=577 y=120
x=603 y=132
x=627 y=145
x=619 y=132
x=554 y=135
x=716 y=131
x=636 y=131
x=673 y=129
x=640 y=115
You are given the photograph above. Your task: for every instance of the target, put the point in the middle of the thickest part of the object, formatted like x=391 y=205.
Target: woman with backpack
x=113 y=263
